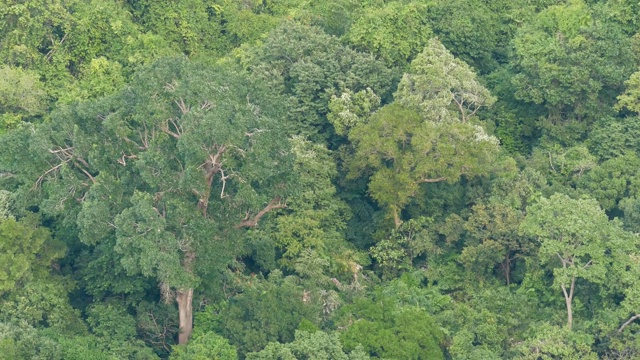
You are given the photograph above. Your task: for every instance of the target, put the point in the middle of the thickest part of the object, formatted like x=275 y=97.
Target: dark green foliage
x=611 y=137
x=387 y=331
x=310 y=66
x=266 y=311
x=469 y=29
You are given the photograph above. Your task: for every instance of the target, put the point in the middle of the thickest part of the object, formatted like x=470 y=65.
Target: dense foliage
x=340 y=179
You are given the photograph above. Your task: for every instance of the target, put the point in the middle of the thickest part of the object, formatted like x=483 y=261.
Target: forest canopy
x=340 y=179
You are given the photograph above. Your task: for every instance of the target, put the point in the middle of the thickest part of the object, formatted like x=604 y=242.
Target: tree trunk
x=184 y=297
x=507 y=268
x=185 y=310
x=396 y=218
x=568 y=299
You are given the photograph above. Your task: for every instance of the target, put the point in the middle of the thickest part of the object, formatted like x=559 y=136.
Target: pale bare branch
x=433 y=180
x=122 y=161
x=223 y=178
x=206 y=105
x=165 y=128
x=182 y=106
x=41 y=178
x=86 y=173
x=631 y=319
x=275 y=203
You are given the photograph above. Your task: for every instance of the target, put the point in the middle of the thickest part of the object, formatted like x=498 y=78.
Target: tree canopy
x=340 y=179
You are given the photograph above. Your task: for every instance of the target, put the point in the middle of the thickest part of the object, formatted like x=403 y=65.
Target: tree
x=471 y=30
x=170 y=170
x=493 y=231
x=409 y=241
x=404 y=151
x=576 y=241
x=572 y=63
x=22 y=342
x=442 y=87
x=208 y=346
x=33 y=31
x=315 y=219
x=27 y=251
x=265 y=311
x=552 y=342
x=310 y=66
x=21 y=96
x=309 y=345
x=612 y=180
x=389 y=331
x=630 y=99
x=610 y=138
x=427 y=135
x=401 y=31
x=192 y=26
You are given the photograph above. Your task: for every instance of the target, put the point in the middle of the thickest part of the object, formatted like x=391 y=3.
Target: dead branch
x=211 y=167
x=170 y=87
x=460 y=104
x=177 y=126
x=252 y=222
x=83 y=162
x=61 y=150
x=62 y=154
x=145 y=138
x=551 y=163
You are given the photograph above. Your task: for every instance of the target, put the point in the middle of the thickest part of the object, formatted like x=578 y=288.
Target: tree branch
x=252 y=222
x=223 y=178
x=41 y=178
x=122 y=161
x=433 y=180
x=211 y=167
x=86 y=173
x=631 y=319
x=165 y=128
x=459 y=104
x=183 y=107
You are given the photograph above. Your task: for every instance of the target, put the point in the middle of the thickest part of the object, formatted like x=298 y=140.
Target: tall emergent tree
x=169 y=170
x=428 y=134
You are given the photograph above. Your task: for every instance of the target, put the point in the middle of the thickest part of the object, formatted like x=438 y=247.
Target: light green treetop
x=441 y=87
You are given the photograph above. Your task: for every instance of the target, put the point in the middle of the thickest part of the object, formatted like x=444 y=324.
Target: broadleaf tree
x=173 y=167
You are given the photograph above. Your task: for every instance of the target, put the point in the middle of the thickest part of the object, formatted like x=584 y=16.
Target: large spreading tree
x=169 y=170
